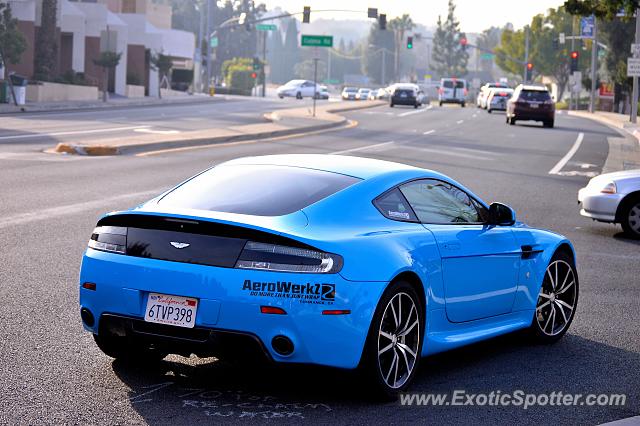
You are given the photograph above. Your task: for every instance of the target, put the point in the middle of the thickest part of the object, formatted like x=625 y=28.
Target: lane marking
x=75 y=132
x=417 y=111
x=452 y=152
x=156 y=132
x=428 y=132
x=459 y=121
x=564 y=160
x=362 y=148
x=47 y=214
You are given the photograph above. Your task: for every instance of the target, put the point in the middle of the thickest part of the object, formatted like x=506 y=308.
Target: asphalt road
x=53 y=373
x=24 y=131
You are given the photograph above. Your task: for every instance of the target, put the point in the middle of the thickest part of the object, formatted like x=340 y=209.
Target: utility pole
x=594 y=66
x=526 y=52
x=315 y=78
x=384 y=66
x=634 y=96
x=572 y=83
x=329 y=64
x=197 y=78
x=208 y=41
x=264 y=61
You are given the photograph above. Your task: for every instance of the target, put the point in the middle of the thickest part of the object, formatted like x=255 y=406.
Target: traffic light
x=529 y=71
x=382 y=21
x=256 y=64
x=372 y=12
x=409 y=42
x=306 y=15
x=575 y=57
x=555 y=43
x=254 y=75
x=463 y=43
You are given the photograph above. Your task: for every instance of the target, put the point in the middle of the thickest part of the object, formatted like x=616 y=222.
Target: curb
x=103 y=150
x=109 y=106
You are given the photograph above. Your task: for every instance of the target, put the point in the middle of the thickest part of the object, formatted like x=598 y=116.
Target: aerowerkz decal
x=313 y=293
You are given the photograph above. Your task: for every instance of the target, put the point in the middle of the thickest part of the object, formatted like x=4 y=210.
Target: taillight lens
x=273 y=257
x=109 y=238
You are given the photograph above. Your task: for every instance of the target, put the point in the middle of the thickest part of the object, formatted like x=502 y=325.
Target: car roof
x=533 y=88
x=359 y=167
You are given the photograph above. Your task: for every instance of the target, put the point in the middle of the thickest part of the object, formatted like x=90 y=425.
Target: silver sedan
x=614 y=198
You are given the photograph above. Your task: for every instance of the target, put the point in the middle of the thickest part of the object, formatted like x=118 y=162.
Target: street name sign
x=214 y=41
x=316 y=40
x=633 y=67
x=266 y=27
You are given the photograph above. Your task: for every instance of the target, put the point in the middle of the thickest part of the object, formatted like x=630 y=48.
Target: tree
x=618 y=36
x=291 y=50
x=601 y=8
x=450 y=57
x=12 y=43
x=400 y=26
x=163 y=64
x=511 y=47
x=379 y=43
x=107 y=61
x=488 y=40
x=305 y=70
x=46 y=49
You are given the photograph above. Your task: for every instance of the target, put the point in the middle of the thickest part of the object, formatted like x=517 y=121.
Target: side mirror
x=501 y=215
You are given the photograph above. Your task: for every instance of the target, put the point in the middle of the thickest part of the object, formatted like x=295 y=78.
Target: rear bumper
x=229 y=303
x=533 y=115
x=404 y=101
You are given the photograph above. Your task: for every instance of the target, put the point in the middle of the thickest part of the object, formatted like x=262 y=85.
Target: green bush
x=237 y=74
x=134 y=79
x=562 y=105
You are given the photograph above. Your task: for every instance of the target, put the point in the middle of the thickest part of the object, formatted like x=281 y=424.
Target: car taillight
x=273 y=257
x=466 y=92
x=109 y=238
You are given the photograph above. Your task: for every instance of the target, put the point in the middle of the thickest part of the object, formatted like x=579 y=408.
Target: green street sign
x=266 y=27
x=487 y=56
x=331 y=81
x=214 y=41
x=316 y=41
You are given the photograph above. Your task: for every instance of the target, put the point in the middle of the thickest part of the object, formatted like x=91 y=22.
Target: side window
x=394 y=206
x=434 y=201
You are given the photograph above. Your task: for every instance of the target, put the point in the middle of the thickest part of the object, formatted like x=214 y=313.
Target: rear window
x=534 y=95
x=350 y=89
x=459 y=84
x=448 y=84
x=261 y=190
x=408 y=92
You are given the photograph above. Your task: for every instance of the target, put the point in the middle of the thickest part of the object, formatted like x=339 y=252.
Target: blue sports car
x=321 y=259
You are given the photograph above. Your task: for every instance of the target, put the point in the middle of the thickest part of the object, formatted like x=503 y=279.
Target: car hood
x=625 y=176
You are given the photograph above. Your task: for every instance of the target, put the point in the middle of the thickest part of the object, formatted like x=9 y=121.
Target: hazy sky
x=474 y=15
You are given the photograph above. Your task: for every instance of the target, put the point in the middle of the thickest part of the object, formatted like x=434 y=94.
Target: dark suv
x=531 y=103
x=405 y=95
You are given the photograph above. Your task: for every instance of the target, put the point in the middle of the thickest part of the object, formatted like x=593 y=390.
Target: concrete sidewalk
x=280 y=123
x=624 y=152
x=116 y=102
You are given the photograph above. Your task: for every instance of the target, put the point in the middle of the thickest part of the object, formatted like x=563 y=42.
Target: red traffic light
x=254 y=75
x=575 y=54
x=463 y=41
x=529 y=66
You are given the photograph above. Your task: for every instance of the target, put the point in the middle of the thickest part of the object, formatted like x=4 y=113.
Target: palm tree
x=46 y=44
x=400 y=26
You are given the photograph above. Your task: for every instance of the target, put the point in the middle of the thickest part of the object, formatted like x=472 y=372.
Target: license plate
x=403 y=95
x=533 y=105
x=172 y=310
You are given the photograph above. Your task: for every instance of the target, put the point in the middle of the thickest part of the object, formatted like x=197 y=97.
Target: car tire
x=391 y=104
x=630 y=217
x=387 y=347
x=122 y=349
x=440 y=103
x=281 y=97
x=489 y=110
x=557 y=300
x=512 y=121
x=298 y=95
x=416 y=106
x=463 y=105
x=548 y=124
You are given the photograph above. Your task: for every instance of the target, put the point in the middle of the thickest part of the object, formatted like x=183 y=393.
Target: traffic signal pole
x=208 y=43
x=634 y=96
x=264 y=61
x=526 y=53
x=594 y=63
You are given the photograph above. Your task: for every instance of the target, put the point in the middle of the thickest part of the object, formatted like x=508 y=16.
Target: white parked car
x=614 y=198
x=296 y=88
x=497 y=99
x=363 y=94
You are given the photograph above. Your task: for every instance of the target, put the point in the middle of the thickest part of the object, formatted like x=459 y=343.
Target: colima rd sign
x=317 y=41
